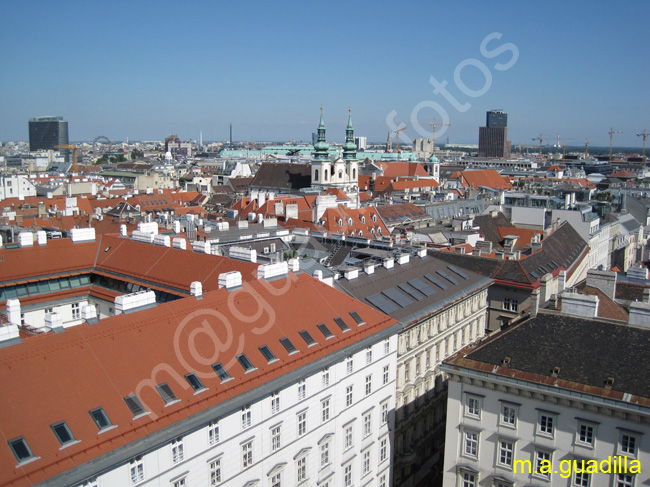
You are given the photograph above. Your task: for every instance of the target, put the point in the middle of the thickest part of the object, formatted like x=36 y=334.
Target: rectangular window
x=325 y=410
x=349 y=365
x=308 y=338
x=325 y=454
x=166 y=393
x=180 y=483
x=581 y=479
x=469 y=479
x=213 y=433
x=100 y=418
x=369 y=356
x=194 y=382
x=325 y=331
x=136 y=467
x=348 y=396
x=325 y=378
x=221 y=372
x=302 y=390
x=301 y=469
x=384 y=413
x=506 y=452
x=473 y=406
x=367 y=424
x=63 y=433
x=625 y=480
x=246 y=418
x=407 y=371
x=417 y=366
x=383 y=449
x=628 y=444
x=368 y=385
x=276 y=439
x=21 y=449
x=135 y=405
x=247 y=454
x=348 y=438
x=276 y=480
x=302 y=423
x=178 y=450
x=267 y=353
x=286 y=343
x=275 y=403
x=382 y=481
x=545 y=424
x=366 y=462
x=245 y=362
x=76 y=311
x=508 y=415
x=471 y=443
x=543 y=463
x=385 y=375
x=347 y=476
x=215 y=472
x=586 y=434
x=386 y=346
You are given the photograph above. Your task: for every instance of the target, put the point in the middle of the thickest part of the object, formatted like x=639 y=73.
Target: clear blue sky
x=146 y=69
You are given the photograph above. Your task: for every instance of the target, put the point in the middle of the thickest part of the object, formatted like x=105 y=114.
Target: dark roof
x=386 y=288
x=627 y=291
x=489 y=226
x=282 y=176
x=582 y=348
x=561 y=249
x=393 y=214
x=240 y=185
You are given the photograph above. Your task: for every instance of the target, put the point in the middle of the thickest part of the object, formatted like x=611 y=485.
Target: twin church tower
x=343 y=172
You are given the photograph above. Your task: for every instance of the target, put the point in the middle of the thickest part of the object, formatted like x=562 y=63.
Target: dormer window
x=363 y=219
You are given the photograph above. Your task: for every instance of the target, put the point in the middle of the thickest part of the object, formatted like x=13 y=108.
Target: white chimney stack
x=13 y=311
x=196 y=289
x=230 y=280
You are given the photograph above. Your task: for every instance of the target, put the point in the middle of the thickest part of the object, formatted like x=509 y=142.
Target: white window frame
x=214 y=467
x=623 y=448
x=383 y=449
x=508 y=420
x=276 y=437
x=301 y=423
x=367 y=424
x=246 y=418
x=368 y=385
x=275 y=403
x=505 y=448
x=325 y=410
x=473 y=406
x=178 y=450
x=546 y=423
x=470 y=443
x=539 y=453
x=587 y=439
x=213 y=433
x=247 y=454
x=385 y=375
x=136 y=470
x=348 y=437
x=348 y=395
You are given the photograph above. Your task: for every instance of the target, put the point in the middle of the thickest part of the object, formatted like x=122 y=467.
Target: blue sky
x=146 y=69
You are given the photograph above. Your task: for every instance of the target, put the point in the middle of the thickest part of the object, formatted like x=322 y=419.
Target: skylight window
x=325 y=331
x=221 y=372
x=357 y=318
x=245 y=362
x=21 y=449
x=268 y=354
x=135 y=405
x=339 y=321
x=308 y=338
x=286 y=343
x=166 y=393
x=63 y=433
x=195 y=382
x=100 y=418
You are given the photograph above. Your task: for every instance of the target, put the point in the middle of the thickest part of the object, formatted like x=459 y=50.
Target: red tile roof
x=351 y=222
x=400 y=169
x=60 y=377
x=485 y=177
x=524 y=235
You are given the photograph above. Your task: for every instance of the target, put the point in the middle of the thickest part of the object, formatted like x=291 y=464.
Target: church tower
x=321 y=168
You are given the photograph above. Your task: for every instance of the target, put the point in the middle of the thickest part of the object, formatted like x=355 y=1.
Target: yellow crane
x=74 y=154
x=397 y=132
x=644 y=135
x=541 y=140
x=611 y=141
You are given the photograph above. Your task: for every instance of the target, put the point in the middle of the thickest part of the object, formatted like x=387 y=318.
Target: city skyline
x=124 y=70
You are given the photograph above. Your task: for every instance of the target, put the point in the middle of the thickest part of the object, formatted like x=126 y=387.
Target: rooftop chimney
x=89 y=314
x=603 y=280
x=53 y=321
x=26 y=239
x=196 y=289
x=134 y=301
x=13 y=311
x=230 y=280
x=639 y=314
x=575 y=304
x=41 y=237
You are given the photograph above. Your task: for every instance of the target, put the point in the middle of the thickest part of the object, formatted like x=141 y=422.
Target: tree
x=136 y=154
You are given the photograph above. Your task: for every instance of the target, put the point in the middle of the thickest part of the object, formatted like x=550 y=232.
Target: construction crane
x=541 y=140
x=433 y=125
x=520 y=147
x=611 y=141
x=397 y=132
x=644 y=135
x=74 y=154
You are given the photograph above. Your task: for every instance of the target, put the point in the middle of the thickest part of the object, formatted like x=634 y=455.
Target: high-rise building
x=493 y=138
x=47 y=132
x=496 y=118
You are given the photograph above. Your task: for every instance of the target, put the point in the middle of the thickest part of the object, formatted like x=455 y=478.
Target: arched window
x=340 y=173
x=354 y=173
x=316 y=174
x=326 y=175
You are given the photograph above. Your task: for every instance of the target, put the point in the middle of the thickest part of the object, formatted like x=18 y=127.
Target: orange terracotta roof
x=485 y=177
x=401 y=185
x=399 y=169
x=339 y=193
x=332 y=216
x=45 y=386
x=524 y=235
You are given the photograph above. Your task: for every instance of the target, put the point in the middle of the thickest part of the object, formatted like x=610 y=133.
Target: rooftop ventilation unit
x=269 y=271
x=82 y=235
x=134 y=301
x=179 y=243
x=242 y=253
x=196 y=289
x=230 y=280
x=162 y=240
